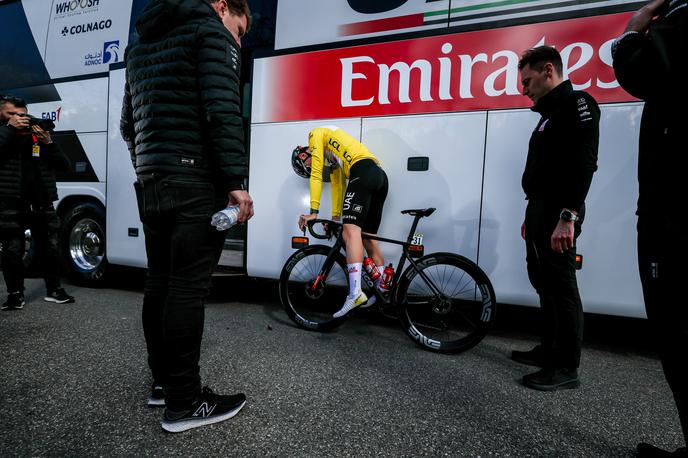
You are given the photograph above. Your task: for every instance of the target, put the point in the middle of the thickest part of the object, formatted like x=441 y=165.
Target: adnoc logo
x=68 y=8
x=109 y=55
x=111 y=52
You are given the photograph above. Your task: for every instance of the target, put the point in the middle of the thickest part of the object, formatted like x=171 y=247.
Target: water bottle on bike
x=387 y=277
x=371 y=268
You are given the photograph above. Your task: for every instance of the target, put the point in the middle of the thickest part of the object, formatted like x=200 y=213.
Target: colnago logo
x=62 y=8
x=89 y=27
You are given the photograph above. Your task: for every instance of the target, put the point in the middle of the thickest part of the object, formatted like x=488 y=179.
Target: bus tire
x=82 y=243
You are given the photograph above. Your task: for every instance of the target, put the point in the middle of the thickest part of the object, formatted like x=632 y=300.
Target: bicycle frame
x=405 y=256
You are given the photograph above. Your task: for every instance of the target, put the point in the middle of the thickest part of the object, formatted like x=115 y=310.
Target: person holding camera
x=28 y=160
x=650 y=63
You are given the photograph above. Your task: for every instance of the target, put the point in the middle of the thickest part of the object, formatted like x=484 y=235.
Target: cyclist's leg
x=373 y=218
x=354 y=212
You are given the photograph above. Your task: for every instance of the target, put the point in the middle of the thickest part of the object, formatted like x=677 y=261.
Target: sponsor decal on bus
x=459 y=72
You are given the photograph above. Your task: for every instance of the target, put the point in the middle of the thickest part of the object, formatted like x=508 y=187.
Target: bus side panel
x=609 y=280
x=122 y=212
x=38 y=15
x=454 y=144
x=502 y=251
x=280 y=195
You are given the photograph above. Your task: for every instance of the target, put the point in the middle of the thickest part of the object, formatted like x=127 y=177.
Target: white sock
x=354 y=278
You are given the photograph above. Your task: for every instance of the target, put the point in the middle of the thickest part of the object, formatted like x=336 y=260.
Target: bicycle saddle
x=423 y=212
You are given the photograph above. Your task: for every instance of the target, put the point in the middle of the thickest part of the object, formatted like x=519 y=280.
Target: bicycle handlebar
x=331 y=228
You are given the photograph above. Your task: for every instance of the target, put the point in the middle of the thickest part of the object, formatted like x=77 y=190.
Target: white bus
x=65 y=58
x=430 y=86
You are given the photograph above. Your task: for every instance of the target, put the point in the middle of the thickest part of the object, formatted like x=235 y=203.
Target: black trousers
x=45 y=231
x=553 y=275
x=662 y=258
x=182 y=249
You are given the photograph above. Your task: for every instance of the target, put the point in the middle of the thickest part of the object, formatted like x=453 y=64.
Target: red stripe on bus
x=382 y=25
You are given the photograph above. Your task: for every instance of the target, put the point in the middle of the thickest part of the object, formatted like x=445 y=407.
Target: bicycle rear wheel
x=447 y=305
x=309 y=297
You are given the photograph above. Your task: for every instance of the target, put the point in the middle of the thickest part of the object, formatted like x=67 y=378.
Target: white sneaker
x=350 y=304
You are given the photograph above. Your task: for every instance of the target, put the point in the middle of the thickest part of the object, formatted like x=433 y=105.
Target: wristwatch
x=568 y=216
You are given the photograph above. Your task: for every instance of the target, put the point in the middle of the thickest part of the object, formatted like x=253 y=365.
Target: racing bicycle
x=444 y=301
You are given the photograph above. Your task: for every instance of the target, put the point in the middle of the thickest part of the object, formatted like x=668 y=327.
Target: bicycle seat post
x=416 y=218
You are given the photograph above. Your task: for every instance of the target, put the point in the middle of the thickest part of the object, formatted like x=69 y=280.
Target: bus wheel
x=83 y=242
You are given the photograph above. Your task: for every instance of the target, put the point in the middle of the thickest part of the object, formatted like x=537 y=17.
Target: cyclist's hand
x=245 y=203
x=303 y=219
x=523 y=230
x=562 y=238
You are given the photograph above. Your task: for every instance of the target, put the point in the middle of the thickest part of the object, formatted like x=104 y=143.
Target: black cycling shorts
x=365 y=196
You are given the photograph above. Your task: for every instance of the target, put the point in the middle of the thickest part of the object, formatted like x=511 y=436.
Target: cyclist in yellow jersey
x=360 y=207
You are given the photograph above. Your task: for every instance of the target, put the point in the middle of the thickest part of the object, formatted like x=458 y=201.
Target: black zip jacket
x=181 y=110
x=15 y=154
x=562 y=154
x=654 y=68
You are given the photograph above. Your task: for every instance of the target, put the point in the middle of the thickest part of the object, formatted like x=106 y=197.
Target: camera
x=45 y=124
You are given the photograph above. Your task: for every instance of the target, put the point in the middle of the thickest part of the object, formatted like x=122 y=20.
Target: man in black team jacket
x=181 y=119
x=28 y=160
x=562 y=157
x=650 y=63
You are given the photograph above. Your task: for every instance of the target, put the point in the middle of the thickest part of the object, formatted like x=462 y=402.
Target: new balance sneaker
x=15 y=301
x=59 y=296
x=157 y=396
x=350 y=304
x=209 y=408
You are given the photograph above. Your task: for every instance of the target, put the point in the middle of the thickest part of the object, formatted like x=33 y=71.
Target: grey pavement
x=74 y=381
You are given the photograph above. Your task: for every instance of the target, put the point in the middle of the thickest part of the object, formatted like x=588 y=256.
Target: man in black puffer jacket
x=650 y=63
x=28 y=160
x=181 y=120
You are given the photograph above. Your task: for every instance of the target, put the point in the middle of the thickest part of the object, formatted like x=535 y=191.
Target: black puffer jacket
x=12 y=147
x=653 y=67
x=181 y=111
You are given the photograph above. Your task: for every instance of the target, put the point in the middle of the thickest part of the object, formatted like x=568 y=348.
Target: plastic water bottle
x=224 y=219
x=371 y=268
x=387 y=277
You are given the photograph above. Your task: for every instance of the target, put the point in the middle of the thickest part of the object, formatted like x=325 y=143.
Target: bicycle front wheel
x=446 y=303
x=313 y=289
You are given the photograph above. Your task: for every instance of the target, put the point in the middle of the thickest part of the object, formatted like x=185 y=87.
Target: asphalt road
x=74 y=381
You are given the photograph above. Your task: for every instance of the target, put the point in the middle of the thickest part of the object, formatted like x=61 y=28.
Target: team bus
x=430 y=86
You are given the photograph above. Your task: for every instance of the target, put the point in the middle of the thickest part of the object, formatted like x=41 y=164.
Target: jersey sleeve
x=337 y=179
x=315 y=143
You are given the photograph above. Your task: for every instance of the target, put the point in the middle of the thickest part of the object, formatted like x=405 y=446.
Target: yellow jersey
x=337 y=149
